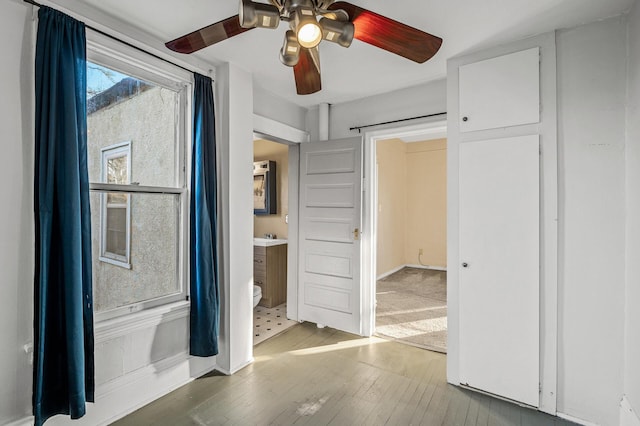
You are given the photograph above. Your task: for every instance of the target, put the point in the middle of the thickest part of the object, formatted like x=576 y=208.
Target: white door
x=329 y=241
x=499 y=267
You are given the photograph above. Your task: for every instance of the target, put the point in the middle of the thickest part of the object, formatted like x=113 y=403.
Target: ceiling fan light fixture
x=339 y=32
x=259 y=15
x=290 y=52
x=309 y=35
x=306 y=27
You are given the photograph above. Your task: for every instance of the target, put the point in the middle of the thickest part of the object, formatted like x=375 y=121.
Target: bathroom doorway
x=271 y=238
x=410 y=298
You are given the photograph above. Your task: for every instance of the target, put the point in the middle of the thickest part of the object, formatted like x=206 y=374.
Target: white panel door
x=499 y=267
x=500 y=92
x=330 y=218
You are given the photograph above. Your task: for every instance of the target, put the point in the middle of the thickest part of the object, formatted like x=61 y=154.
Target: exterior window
x=116 y=208
x=136 y=160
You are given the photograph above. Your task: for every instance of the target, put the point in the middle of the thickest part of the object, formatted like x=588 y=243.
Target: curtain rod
x=35 y=3
x=358 y=128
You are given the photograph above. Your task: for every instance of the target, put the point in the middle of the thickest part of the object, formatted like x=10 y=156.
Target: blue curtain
x=63 y=374
x=205 y=299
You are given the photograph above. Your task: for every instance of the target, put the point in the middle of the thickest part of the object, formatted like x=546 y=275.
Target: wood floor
x=322 y=376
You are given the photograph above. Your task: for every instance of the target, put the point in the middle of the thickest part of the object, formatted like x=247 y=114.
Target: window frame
x=107 y=153
x=104 y=51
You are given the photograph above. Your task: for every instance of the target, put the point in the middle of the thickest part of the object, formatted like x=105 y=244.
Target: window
x=115 y=213
x=136 y=109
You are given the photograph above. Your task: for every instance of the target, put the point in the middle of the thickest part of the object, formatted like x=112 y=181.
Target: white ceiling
x=362 y=70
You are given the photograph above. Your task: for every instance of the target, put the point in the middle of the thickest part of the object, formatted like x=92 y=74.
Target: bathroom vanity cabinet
x=270 y=272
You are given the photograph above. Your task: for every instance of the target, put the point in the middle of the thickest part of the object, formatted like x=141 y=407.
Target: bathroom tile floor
x=267 y=322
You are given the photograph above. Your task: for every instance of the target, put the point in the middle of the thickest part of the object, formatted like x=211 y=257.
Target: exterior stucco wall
x=147 y=120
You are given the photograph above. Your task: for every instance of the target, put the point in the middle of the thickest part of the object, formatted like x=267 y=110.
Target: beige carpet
x=412 y=308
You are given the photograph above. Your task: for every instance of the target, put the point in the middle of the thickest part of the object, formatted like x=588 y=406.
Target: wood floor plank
x=458 y=408
x=310 y=376
x=472 y=412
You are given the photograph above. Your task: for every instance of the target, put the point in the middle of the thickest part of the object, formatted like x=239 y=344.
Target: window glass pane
x=122 y=108
x=117 y=170
x=116 y=232
x=154 y=250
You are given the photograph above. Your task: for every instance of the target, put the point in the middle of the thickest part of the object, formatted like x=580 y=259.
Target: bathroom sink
x=267 y=242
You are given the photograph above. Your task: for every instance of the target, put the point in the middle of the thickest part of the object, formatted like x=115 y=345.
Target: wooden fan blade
x=390 y=35
x=307 y=72
x=207 y=36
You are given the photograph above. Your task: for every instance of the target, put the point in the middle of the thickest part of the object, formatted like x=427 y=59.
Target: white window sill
x=120 y=326
x=121 y=263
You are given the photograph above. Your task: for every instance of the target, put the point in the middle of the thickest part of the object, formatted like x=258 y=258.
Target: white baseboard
x=628 y=417
x=235 y=369
x=433 y=268
x=576 y=420
x=124 y=395
x=25 y=421
x=394 y=270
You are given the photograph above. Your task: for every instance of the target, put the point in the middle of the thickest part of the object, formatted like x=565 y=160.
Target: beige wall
x=411 y=203
x=392 y=204
x=274 y=223
x=426 y=219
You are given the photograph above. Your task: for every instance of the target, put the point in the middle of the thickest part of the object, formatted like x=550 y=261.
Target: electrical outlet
x=419 y=252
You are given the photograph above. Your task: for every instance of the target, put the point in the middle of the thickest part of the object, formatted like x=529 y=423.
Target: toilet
x=257 y=295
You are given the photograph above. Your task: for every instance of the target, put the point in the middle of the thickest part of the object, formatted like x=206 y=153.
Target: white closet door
x=500 y=92
x=499 y=267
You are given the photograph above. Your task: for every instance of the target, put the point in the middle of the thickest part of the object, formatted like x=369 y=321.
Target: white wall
x=267 y=104
x=235 y=162
x=16 y=211
x=632 y=338
x=591 y=138
x=428 y=98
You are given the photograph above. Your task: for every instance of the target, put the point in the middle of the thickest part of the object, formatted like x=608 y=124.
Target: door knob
x=356 y=234
x=465 y=264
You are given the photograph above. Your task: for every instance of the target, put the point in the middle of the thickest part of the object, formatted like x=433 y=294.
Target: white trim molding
x=576 y=420
x=409 y=265
x=122 y=396
x=275 y=129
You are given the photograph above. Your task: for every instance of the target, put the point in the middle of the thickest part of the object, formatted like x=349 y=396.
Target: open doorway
x=271 y=238
x=410 y=243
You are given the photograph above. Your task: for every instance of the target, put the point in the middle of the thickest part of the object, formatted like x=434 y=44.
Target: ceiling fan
x=340 y=22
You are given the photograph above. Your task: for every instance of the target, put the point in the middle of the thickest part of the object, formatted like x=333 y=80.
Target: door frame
x=275 y=131
x=434 y=127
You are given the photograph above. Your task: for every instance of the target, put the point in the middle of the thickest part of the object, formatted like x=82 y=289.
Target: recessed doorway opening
x=410 y=244
x=271 y=239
